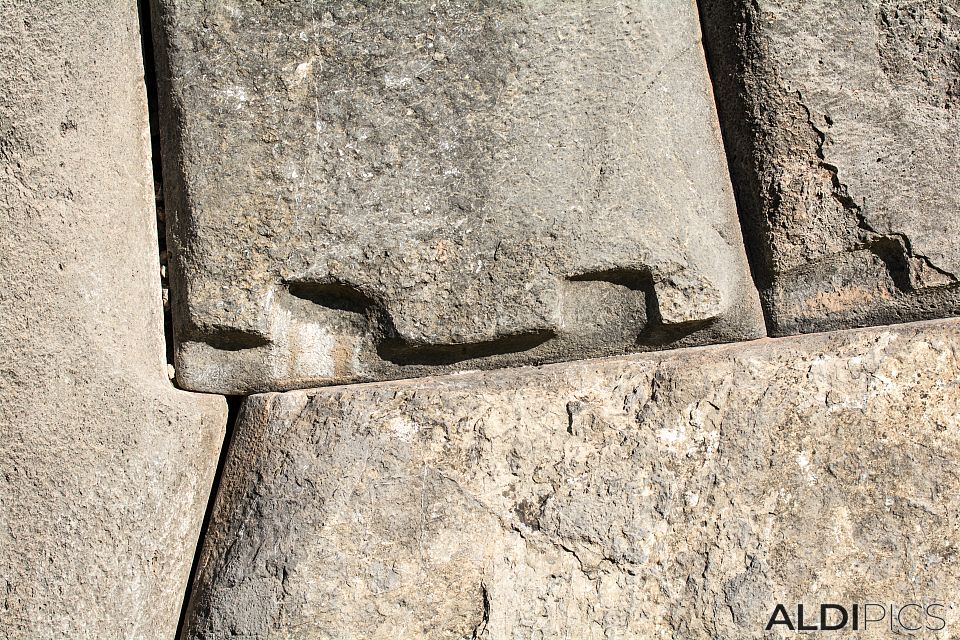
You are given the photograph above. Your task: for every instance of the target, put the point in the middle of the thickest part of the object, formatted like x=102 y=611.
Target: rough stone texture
x=105 y=468
x=365 y=190
x=842 y=118
x=675 y=495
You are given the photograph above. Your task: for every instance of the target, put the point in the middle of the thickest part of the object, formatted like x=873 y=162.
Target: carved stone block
x=372 y=190
x=681 y=494
x=842 y=118
x=105 y=467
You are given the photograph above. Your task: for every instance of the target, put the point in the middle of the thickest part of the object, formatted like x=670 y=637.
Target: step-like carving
x=368 y=190
x=842 y=118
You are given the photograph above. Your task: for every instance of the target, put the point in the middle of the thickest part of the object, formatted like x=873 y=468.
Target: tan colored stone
x=680 y=495
x=105 y=468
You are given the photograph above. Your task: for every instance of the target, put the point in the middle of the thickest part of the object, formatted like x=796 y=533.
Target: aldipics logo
x=898 y=618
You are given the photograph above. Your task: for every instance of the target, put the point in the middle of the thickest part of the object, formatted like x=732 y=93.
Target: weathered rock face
x=842 y=121
x=370 y=190
x=105 y=467
x=676 y=495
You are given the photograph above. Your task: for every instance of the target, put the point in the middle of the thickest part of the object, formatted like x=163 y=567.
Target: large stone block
x=675 y=495
x=105 y=468
x=842 y=120
x=366 y=190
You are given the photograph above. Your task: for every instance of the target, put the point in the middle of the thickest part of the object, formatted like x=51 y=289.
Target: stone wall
x=567 y=249
x=841 y=119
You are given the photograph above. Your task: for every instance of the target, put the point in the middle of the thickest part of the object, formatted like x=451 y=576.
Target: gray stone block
x=674 y=495
x=842 y=119
x=362 y=190
x=105 y=468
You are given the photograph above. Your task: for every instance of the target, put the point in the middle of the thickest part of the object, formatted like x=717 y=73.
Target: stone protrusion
x=364 y=191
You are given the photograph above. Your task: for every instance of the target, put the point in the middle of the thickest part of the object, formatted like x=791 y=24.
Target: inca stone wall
x=463 y=205
x=842 y=120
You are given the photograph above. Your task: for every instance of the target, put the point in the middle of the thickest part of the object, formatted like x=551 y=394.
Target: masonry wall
x=545 y=319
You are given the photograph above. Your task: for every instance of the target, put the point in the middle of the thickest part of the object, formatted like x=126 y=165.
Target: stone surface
x=105 y=468
x=841 y=119
x=671 y=495
x=371 y=190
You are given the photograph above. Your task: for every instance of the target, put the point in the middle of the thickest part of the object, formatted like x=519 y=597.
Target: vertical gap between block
x=719 y=29
x=150 y=80
x=234 y=405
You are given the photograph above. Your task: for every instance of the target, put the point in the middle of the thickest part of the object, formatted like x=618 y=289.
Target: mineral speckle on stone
x=366 y=190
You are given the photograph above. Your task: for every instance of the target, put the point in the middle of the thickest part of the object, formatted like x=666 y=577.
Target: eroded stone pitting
x=452 y=168
x=919 y=45
x=909 y=270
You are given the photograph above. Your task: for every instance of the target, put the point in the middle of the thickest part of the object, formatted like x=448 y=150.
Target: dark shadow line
x=153 y=118
x=234 y=406
x=721 y=31
x=403 y=353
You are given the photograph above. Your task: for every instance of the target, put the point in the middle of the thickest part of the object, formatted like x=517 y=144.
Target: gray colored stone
x=842 y=120
x=675 y=495
x=367 y=190
x=105 y=468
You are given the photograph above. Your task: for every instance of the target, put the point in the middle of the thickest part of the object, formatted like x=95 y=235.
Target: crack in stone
x=874 y=240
